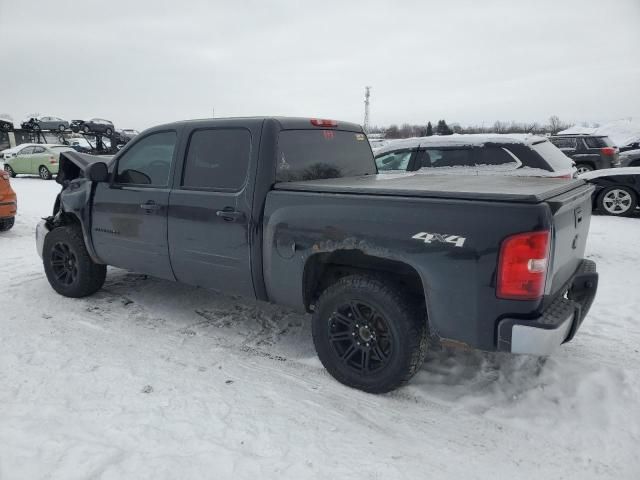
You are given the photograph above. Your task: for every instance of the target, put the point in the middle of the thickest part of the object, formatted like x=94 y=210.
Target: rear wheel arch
x=324 y=269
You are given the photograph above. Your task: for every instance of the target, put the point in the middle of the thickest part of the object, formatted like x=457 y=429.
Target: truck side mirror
x=98 y=172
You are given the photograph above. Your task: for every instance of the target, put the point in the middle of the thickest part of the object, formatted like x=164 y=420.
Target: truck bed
x=494 y=188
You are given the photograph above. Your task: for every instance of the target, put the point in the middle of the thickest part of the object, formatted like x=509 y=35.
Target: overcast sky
x=143 y=63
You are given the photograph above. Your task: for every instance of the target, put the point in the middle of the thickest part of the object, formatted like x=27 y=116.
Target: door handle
x=150 y=206
x=230 y=215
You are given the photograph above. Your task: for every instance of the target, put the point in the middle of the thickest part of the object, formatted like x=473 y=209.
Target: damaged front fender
x=73 y=204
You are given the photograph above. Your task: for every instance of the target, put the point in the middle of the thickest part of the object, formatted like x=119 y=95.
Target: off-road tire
x=407 y=325
x=89 y=276
x=6 y=223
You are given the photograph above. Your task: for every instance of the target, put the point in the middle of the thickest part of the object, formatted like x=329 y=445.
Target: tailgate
x=571 y=218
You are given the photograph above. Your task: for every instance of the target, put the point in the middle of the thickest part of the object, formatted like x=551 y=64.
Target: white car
x=483 y=154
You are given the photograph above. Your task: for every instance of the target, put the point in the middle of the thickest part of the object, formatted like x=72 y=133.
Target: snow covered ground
x=149 y=379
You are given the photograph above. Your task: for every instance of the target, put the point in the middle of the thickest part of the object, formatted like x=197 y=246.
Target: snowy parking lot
x=150 y=379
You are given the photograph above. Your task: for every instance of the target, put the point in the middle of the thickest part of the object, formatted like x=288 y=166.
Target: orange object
x=8 y=202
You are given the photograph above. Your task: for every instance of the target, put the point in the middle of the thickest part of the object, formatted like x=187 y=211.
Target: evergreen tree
x=443 y=128
x=429 y=129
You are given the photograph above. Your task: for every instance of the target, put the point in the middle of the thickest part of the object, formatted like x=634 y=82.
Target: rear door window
x=217 y=159
x=496 y=156
x=597 y=142
x=449 y=158
x=564 y=143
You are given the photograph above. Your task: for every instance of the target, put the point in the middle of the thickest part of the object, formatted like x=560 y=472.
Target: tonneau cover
x=492 y=188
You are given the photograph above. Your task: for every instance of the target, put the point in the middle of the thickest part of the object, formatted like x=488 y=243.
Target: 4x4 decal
x=426 y=237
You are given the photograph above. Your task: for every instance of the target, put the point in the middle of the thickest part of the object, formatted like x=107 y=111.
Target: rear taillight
x=522 y=267
x=4 y=176
x=321 y=122
x=608 y=151
x=53 y=160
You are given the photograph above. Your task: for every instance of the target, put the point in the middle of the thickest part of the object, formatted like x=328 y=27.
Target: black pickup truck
x=292 y=211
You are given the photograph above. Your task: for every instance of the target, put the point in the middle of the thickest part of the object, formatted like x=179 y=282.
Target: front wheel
x=9 y=170
x=6 y=224
x=618 y=201
x=68 y=266
x=44 y=173
x=62 y=128
x=369 y=334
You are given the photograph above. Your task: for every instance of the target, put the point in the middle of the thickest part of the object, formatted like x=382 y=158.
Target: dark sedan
x=95 y=125
x=617 y=190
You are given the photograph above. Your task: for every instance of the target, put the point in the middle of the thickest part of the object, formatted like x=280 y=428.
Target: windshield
x=556 y=159
x=316 y=154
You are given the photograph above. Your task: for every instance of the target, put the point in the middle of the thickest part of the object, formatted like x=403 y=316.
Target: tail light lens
x=608 y=151
x=522 y=267
x=321 y=122
x=53 y=160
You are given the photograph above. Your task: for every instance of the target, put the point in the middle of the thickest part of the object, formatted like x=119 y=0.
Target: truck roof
x=286 y=123
x=493 y=188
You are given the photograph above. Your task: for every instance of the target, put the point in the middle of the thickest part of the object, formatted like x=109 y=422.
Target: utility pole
x=213 y=112
x=367 y=94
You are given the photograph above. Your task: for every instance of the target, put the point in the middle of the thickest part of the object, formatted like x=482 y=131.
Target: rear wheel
x=10 y=171
x=68 y=266
x=6 y=224
x=368 y=334
x=618 y=201
x=44 y=173
x=62 y=128
x=86 y=129
x=108 y=131
x=584 y=168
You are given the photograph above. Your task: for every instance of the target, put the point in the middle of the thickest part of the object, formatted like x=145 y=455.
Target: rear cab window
x=322 y=153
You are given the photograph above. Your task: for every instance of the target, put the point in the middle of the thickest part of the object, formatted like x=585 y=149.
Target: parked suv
x=512 y=155
x=590 y=152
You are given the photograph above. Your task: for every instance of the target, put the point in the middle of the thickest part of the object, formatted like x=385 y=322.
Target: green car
x=39 y=160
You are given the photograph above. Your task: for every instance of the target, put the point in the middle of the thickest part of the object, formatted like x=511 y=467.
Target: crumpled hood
x=73 y=165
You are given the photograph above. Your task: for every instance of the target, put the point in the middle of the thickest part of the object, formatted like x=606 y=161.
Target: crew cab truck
x=292 y=211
